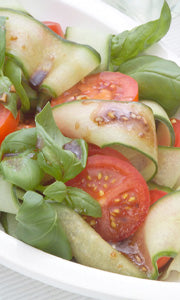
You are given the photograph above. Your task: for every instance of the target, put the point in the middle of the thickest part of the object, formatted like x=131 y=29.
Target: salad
x=89 y=154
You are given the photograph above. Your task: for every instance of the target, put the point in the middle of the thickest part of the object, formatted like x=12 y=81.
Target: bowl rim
x=68 y=275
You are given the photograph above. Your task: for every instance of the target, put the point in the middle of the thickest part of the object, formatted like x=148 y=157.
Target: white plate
x=56 y=271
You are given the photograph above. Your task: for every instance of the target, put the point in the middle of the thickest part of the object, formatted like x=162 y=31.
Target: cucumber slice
x=168 y=167
x=8 y=198
x=90 y=249
x=48 y=61
x=154 y=186
x=172 y=273
x=165 y=131
x=15 y=4
x=99 y=40
x=161 y=229
x=157 y=237
x=128 y=127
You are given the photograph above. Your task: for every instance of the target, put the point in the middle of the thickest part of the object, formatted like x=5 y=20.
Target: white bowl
x=55 y=271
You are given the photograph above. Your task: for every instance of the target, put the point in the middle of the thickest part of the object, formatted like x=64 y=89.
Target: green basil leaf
x=56 y=191
x=47 y=128
x=82 y=202
x=22 y=170
x=59 y=156
x=38 y=226
x=129 y=44
x=19 y=141
x=11 y=98
x=158 y=80
x=3 y=41
x=14 y=73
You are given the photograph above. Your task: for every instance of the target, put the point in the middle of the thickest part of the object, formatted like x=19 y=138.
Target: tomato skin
x=93 y=150
x=105 y=85
x=8 y=123
x=56 y=27
x=121 y=191
x=156 y=194
x=176 y=125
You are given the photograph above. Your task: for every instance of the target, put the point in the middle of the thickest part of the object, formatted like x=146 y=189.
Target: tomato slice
x=176 y=125
x=56 y=27
x=155 y=195
x=93 y=150
x=121 y=191
x=104 y=85
x=8 y=123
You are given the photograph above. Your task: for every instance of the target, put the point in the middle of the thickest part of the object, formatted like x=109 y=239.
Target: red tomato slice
x=8 y=123
x=155 y=195
x=121 y=191
x=104 y=85
x=93 y=150
x=176 y=125
x=162 y=261
x=56 y=27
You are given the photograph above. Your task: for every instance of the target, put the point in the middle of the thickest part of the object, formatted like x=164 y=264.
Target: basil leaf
x=53 y=158
x=158 y=80
x=14 y=73
x=22 y=170
x=7 y=98
x=47 y=128
x=82 y=202
x=19 y=141
x=38 y=226
x=3 y=41
x=129 y=44
x=56 y=191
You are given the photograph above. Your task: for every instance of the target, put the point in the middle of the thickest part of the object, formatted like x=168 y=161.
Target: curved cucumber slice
x=128 y=127
x=161 y=228
x=90 y=249
x=165 y=131
x=48 y=61
x=99 y=40
x=168 y=173
x=158 y=236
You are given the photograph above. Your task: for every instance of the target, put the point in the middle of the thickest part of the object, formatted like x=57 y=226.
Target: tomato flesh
x=93 y=150
x=121 y=191
x=8 y=123
x=105 y=85
x=56 y=27
x=176 y=125
x=155 y=195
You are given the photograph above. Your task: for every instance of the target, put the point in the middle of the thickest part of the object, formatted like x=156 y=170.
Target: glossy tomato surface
x=121 y=191
x=8 y=123
x=105 y=85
